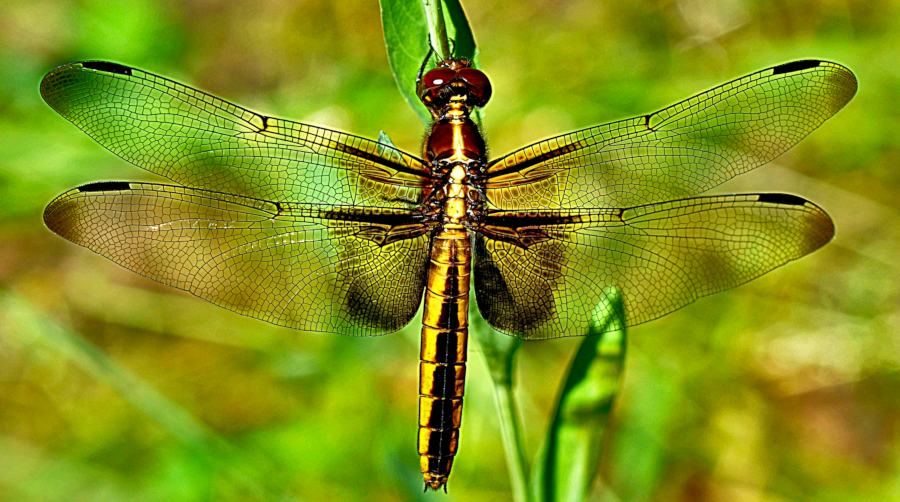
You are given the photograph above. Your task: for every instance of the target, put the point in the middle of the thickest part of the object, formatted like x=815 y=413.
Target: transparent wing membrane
x=540 y=275
x=198 y=140
x=680 y=151
x=318 y=230
x=349 y=270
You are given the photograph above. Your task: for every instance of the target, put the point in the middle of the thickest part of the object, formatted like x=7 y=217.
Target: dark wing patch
x=658 y=257
x=795 y=66
x=782 y=198
x=349 y=270
x=107 y=67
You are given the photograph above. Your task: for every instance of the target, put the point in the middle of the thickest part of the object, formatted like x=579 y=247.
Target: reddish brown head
x=454 y=78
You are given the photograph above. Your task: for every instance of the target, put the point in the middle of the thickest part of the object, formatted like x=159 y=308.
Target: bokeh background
x=115 y=388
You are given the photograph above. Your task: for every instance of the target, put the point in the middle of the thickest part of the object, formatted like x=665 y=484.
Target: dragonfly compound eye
x=478 y=84
x=433 y=82
x=438 y=77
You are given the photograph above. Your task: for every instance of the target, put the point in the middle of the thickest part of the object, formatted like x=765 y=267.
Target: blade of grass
x=34 y=328
x=384 y=139
x=32 y=474
x=567 y=462
x=499 y=353
x=35 y=331
x=641 y=453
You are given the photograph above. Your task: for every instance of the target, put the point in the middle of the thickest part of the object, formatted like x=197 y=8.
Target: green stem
x=499 y=353
x=436 y=27
x=511 y=434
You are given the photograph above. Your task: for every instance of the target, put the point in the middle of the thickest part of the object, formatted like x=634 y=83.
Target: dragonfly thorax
x=457 y=198
x=455 y=137
x=456 y=154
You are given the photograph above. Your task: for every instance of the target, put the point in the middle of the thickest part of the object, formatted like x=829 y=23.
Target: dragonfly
x=323 y=231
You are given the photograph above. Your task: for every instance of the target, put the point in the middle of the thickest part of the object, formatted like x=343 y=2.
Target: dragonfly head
x=454 y=78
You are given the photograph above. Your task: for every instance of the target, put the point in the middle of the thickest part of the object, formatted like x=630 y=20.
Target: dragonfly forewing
x=198 y=140
x=679 y=151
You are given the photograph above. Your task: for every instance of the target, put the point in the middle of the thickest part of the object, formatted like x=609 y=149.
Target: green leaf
x=384 y=139
x=567 y=463
x=437 y=28
x=406 y=32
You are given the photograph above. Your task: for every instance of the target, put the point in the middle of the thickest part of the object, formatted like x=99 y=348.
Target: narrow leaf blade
x=458 y=30
x=567 y=463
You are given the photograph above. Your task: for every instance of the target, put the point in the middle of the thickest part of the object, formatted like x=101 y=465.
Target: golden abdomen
x=442 y=370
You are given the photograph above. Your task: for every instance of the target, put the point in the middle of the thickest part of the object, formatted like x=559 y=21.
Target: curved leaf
x=567 y=463
x=406 y=31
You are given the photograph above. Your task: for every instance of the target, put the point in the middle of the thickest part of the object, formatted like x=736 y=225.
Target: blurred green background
x=115 y=388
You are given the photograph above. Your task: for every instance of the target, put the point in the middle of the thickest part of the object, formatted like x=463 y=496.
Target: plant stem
x=499 y=353
x=436 y=27
x=511 y=434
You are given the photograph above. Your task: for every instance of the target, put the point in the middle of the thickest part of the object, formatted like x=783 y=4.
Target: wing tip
x=51 y=79
x=61 y=214
x=58 y=212
x=817 y=220
x=825 y=226
x=839 y=76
